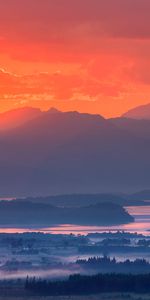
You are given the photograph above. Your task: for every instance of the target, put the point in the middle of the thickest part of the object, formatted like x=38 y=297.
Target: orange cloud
x=89 y=55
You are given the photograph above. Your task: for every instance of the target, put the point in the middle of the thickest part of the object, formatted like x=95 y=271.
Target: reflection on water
x=51 y=274
x=141 y=225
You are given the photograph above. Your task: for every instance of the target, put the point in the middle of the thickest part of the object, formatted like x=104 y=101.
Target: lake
x=141 y=225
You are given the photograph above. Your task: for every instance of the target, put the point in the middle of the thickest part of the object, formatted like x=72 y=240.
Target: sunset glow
x=86 y=55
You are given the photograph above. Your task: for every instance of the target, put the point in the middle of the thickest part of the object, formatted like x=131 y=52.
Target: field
x=92 y=297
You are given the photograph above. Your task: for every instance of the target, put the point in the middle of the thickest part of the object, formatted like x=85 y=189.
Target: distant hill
x=142 y=195
x=78 y=200
x=16 y=213
x=17 y=117
x=139 y=128
x=68 y=153
x=81 y=200
x=140 y=112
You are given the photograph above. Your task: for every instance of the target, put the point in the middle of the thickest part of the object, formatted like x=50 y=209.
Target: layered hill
x=24 y=214
x=62 y=153
x=140 y=112
x=139 y=128
x=17 y=117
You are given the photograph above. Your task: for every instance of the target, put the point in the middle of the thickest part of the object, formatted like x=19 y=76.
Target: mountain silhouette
x=140 y=112
x=62 y=153
x=139 y=128
x=14 y=213
x=17 y=117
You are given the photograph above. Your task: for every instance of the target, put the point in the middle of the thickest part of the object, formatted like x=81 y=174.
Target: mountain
x=142 y=195
x=140 y=112
x=78 y=200
x=81 y=200
x=65 y=153
x=17 y=117
x=24 y=213
x=139 y=128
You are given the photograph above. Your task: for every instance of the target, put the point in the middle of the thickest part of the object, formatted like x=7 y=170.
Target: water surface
x=141 y=225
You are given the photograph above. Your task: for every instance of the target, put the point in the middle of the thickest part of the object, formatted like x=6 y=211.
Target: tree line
x=95 y=284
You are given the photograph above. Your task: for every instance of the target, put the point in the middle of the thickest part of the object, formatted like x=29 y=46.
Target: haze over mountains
x=60 y=153
x=140 y=112
x=14 y=118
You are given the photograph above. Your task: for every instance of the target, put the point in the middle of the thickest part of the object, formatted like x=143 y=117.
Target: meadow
x=90 y=297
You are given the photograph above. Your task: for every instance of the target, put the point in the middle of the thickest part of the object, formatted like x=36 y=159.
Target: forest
x=85 y=285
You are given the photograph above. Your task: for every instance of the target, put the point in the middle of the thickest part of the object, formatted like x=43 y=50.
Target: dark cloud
x=62 y=21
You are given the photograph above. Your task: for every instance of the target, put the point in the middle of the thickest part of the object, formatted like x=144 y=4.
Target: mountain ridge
x=15 y=213
x=17 y=117
x=139 y=112
x=71 y=152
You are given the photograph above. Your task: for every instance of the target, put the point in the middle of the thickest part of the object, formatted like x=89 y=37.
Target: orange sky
x=86 y=55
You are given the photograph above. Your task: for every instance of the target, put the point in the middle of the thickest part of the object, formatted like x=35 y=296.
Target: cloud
x=58 y=86
x=89 y=49
x=73 y=30
x=62 y=21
